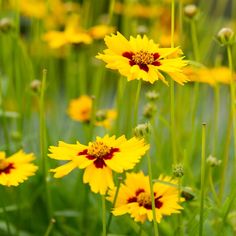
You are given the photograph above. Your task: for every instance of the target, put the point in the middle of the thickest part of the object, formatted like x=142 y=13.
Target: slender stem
x=212 y=187
x=3 y=118
x=113 y=204
x=203 y=174
x=111 y=10
x=152 y=195
x=179 y=218
x=103 y=216
x=5 y=214
x=172 y=91
x=136 y=103
x=50 y=226
x=43 y=151
x=216 y=118
x=195 y=40
x=180 y=20
x=225 y=157
x=232 y=92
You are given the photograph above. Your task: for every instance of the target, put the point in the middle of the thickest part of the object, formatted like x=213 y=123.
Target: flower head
x=16 y=168
x=99 y=159
x=134 y=197
x=141 y=58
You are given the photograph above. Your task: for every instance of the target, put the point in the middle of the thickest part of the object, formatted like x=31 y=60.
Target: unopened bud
x=190 y=11
x=213 y=161
x=6 y=25
x=226 y=36
x=101 y=115
x=152 y=95
x=35 y=85
x=178 y=170
x=142 y=130
x=149 y=110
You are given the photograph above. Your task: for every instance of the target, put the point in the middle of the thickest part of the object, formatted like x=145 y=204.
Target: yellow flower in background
x=73 y=34
x=80 y=109
x=134 y=197
x=99 y=31
x=16 y=168
x=222 y=75
x=99 y=159
x=105 y=118
x=141 y=58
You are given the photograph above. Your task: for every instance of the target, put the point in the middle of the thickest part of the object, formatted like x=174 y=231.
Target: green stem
x=43 y=151
x=152 y=195
x=225 y=157
x=180 y=20
x=212 y=187
x=203 y=174
x=216 y=116
x=136 y=103
x=50 y=226
x=3 y=118
x=179 y=218
x=113 y=204
x=5 y=213
x=103 y=216
x=195 y=40
x=232 y=93
x=111 y=11
x=172 y=91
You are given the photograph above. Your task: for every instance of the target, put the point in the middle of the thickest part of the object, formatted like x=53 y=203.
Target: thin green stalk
x=43 y=151
x=3 y=118
x=113 y=204
x=216 y=118
x=179 y=217
x=203 y=174
x=103 y=216
x=225 y=157
x=232 y=93
x=5 y=213
x=212 y=187
x=152 y=195
x=50 y=226
x=111 y=11
x=180 y=20
x=172 y=89
x=136 y=103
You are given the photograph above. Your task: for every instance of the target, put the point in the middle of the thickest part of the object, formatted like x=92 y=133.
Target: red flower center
x=99 y=151
x=6 y=167
x=142 y=59
x=144 y=199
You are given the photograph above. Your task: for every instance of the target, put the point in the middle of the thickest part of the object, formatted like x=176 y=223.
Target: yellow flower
x=134 y=197
x=73 y=34
x=80 y=109
x=99 y=159
x=141 y=58
x=99 y=31
x=16 y=168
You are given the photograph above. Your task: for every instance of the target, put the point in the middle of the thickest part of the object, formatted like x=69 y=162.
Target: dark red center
x=7 y=169
x=142 y=65
x=158 y=203
x=99 y=161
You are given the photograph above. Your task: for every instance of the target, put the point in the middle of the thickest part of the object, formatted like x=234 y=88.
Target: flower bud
x=178 y=170
x=190 y=11
x=6 y=25
x=101 y=115
x=149 y=110
x=152 y=95
x=142 y=130
x=35 y=85
x=213 y=161
x=226 y=36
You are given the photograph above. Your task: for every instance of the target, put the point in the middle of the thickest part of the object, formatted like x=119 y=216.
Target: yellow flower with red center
x=134 y=197
x=99 y=159
x=80 y=109
x=16 y=168
x=73 y=34
x=141 y=58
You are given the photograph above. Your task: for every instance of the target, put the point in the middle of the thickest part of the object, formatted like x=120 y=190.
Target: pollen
x=143 y=58
x=98 y=149
x=144 y=199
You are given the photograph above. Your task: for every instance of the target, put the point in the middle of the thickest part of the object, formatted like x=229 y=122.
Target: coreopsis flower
x=99 y=31
x=134 y=197
x=16 y=168
x=73 y=34
x=80 y=109
x=99 y=159
x=141 y=58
